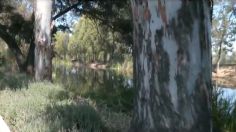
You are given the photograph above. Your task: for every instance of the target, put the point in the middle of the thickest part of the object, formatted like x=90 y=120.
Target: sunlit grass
x=48 y=107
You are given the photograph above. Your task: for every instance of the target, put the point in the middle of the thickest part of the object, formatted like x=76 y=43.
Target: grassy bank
x=223 y=113
x=125 y=68
x=48 y=107
x=28 y=106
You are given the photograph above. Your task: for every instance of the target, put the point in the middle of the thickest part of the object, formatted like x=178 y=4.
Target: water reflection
x=226 y=92
x=106 y=87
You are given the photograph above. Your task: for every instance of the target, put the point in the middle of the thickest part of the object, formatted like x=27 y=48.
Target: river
x=109 y=87
x=105 y=87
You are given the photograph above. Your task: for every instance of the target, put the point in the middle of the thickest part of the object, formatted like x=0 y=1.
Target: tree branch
x=12 y=44
x=65 y=11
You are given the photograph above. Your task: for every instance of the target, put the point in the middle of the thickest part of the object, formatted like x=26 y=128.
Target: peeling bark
x=43 y=47
x=172 y=53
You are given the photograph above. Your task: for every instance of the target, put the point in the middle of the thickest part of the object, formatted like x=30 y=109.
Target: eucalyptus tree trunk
x=43 y=47
x=172 y=66
x=218 y=59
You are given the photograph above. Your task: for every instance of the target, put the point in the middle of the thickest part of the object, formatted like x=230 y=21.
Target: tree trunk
x=29 y=63
x=12 y=45
x=218 y=59
x=43 y=47
x=172 y=66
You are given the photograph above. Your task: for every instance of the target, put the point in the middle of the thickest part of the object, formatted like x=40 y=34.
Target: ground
x=226 y=76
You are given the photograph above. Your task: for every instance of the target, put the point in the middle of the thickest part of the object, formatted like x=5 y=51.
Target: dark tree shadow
x=73 y=117
x=13 y=81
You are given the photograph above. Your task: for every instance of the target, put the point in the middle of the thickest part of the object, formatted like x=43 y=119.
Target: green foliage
x=61 y=44
x=15 y=19
x=223 y=29
x=82 y=43
x=32 y=110
x=13 y=81
x=108 y=88
x=125 y=68
x=17 y=23
x=223 y=113
x=48 y=107
x=91 y=41
x=82 y=117
x=114 y=14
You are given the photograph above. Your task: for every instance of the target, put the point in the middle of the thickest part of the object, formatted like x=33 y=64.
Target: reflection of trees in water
x=105 y=87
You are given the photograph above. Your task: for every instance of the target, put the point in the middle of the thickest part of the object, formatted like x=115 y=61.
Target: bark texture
x=43 y=47
x=172 y=65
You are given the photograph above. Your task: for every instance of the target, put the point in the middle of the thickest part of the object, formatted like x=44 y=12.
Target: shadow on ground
x=13 y=81
x=73 y=117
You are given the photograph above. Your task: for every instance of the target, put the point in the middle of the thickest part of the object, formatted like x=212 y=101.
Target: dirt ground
x=226 y=76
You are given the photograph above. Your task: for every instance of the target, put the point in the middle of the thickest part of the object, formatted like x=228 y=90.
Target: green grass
x=47 y=107
x=223 y=113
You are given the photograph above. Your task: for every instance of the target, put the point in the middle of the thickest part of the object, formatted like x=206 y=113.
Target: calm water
x=228 y=93
x=106 y=87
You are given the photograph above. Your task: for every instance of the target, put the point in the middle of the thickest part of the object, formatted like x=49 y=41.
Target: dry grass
x=225 y=77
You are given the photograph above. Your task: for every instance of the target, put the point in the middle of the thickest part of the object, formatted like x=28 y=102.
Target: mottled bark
x=43 y=47
x=172 y=53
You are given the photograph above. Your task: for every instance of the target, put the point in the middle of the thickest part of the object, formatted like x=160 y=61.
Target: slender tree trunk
x=172 y=65
x=225 y=25
x=218 y=59
x=43 y=47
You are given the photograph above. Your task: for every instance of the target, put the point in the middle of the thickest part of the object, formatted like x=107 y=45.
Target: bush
x=69 y=116
x=223 y=113
x=35 y=109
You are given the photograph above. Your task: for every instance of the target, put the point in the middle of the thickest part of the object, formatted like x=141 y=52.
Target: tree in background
x=172 y=65
x=223 y=31
x=18 y=25
x=92 y=41
x=61 y=44
x=16 y=31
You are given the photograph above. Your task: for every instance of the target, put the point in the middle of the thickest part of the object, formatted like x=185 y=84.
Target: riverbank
x=49 y=107
x=30 y=106
x=226 y=76
x=123 y=68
